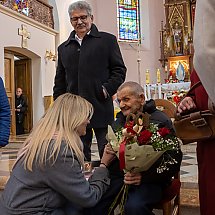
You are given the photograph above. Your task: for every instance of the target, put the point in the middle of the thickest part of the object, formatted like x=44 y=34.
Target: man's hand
x=186 y=104
x=132 y=178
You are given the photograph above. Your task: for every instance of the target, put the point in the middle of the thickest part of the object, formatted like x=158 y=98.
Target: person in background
x=198 y=100
x=21 y=107
x=48 y=177
x=204 y=45
x=4 y=116
x=146 y=188
x=90 y=64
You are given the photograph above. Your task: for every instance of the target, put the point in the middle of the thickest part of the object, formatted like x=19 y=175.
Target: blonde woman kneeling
x=48 y=171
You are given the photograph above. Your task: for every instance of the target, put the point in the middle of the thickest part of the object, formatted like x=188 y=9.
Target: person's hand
x=132 y=178
x=108 y=155
x=186 y=104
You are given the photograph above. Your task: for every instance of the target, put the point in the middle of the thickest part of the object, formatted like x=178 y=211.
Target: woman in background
x=48 y=175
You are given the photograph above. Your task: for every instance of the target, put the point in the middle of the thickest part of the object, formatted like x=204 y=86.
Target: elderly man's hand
x=186 y=104
x=132 y=178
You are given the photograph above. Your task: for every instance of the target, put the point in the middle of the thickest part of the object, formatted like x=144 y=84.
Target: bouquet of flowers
x=139 y=145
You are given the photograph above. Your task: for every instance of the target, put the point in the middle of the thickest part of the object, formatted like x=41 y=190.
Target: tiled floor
x=189 y=193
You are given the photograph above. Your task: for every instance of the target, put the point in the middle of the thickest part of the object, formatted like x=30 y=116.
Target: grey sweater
x=45 y=190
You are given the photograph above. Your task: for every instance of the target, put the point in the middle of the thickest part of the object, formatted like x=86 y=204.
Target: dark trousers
x=100 y=134
x=107 y=199
x=140 y=199
x=19 y=128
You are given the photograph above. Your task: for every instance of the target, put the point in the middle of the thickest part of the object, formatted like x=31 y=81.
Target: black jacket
x=83 y=70
x=22 y=105
x=151 y=175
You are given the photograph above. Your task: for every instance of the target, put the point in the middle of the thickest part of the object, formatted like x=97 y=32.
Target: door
x=22 y=76
x=10 y=88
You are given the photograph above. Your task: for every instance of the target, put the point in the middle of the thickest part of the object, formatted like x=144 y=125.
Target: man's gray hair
x=134 y=87
x=80 y=5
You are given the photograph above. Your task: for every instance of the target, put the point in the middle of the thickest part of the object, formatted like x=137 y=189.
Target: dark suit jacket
x=83 y=70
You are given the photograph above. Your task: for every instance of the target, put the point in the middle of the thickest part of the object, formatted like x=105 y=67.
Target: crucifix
x=25 y=35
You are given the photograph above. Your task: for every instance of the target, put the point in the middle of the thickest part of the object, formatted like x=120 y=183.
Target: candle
x=159 y=91
x=147 y=77
x=145 y=92
x=158 y=76
x=148 y=92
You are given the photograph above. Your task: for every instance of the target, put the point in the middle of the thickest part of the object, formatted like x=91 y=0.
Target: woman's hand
x=132 y=178
x=108 y=156
x=186 y=104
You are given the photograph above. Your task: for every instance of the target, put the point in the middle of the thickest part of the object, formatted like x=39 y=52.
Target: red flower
x=130 y=130
x=163 y=131
x=129 y=124
x=144 y=137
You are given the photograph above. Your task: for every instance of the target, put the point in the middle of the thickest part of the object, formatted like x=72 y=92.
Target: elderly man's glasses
x=82 y=18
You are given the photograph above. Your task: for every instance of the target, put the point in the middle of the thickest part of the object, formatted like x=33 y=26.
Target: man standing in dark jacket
x=20 y=109
x=4 y=116
x=146 y=188
x=90 y=65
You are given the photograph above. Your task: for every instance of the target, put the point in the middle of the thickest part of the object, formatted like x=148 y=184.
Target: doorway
x=18 y=74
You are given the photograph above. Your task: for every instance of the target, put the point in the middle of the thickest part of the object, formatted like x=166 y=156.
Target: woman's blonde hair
x=59 y=123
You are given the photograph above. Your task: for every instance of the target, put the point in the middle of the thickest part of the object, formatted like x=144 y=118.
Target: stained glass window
x=128 y=20
x=22 y=6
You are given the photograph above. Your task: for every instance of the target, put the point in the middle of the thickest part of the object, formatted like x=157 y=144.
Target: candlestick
x=158 y=76
x=147 y=77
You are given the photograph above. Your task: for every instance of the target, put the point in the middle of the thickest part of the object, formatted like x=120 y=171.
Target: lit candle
x=147 y=77
x=158 y=76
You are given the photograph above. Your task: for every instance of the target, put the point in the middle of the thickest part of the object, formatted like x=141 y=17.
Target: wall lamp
x=50 y=56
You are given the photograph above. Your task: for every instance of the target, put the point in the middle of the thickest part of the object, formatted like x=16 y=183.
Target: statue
x=178 y=38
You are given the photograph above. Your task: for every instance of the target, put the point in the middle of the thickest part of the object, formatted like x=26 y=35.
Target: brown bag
x=196 y=126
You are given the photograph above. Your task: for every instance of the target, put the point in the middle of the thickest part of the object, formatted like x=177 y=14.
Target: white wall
x=152 y=12
x=43 y=71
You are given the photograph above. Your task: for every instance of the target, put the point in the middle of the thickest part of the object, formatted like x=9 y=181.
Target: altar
x=171 y=91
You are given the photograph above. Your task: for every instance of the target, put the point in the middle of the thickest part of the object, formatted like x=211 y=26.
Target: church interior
x=156 y=41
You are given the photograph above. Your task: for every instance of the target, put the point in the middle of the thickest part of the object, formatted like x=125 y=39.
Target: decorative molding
x=35 y=9
x=27 y=20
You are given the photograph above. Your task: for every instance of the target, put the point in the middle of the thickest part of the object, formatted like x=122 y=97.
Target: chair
x=170 y=203
x=165 y=106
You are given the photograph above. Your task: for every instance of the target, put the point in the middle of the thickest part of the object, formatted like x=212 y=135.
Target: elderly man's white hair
x=134 y=87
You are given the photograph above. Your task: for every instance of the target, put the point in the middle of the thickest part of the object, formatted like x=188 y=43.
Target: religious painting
x=22 y=6
x=179 y=68
x=128 y=20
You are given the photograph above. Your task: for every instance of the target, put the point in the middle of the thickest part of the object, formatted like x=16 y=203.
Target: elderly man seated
x=146 y=188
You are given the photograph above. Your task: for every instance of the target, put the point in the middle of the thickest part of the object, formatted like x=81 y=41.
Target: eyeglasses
x=82 y=18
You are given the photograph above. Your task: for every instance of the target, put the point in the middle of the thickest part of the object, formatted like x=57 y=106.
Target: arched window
x=128 y=19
